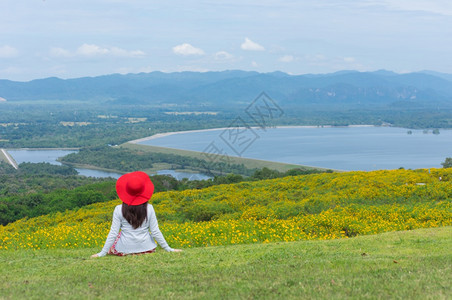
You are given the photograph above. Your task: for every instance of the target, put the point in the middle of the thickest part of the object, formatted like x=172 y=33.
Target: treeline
x=128 y=160
x=50 y=177
x=35 y=204
x=37 y=189
x=45 y=168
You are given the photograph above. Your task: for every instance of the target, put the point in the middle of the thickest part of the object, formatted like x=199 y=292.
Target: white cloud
x=94 y=50
x=223 y=55
x=349 y=59
x=115 y=51
x=187 y=49
x=91 y=50
x=254 y=64
x=249 y=45
x=286 y=58
x=8 y=51
x=60 y=52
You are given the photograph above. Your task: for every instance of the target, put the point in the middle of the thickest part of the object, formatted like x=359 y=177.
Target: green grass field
x=398 y=265
x=247 y=162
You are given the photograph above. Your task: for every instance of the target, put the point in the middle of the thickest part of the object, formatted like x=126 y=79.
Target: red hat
x=134 y=188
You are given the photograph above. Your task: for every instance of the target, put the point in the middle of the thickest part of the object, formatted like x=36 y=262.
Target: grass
x=247 y=162
x=398 y=265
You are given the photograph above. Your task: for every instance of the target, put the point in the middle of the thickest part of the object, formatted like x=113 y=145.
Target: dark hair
x=135 y=214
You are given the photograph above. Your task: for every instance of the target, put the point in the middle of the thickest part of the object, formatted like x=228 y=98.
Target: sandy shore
x=160 y=135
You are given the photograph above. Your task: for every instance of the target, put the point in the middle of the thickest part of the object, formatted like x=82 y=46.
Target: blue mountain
x=344 y=88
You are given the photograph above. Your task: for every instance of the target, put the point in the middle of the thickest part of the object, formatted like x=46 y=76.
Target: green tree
x=447 y=163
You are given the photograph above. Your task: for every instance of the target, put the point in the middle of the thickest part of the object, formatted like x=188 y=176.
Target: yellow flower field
x=319 y=206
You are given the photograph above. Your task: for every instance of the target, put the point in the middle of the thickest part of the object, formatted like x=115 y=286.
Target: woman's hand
x=94 y=256
x=177 y=250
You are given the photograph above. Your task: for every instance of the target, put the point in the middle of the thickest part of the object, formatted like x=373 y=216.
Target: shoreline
x=164 y=134
x=37 y=149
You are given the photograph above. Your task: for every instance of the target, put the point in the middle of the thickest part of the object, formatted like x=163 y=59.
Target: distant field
x=247 y=162
x=398 y=265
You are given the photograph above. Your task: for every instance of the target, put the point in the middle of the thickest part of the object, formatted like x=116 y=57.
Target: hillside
x=398 y=265
x=309 y=207
x=342 y=89
x=293 y=237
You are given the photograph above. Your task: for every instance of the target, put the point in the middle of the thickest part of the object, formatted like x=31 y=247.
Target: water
x=345 y=148
x=341 y=148
x=38 y=156
x=51 y=156
x=97 y=173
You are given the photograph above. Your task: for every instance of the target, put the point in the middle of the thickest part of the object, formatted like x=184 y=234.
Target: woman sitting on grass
x=135 y=217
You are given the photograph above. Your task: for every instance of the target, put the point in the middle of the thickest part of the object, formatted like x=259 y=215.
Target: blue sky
x=75 y=38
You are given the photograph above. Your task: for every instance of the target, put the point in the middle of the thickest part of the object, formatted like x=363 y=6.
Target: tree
x=266 y=173
x=447 y=163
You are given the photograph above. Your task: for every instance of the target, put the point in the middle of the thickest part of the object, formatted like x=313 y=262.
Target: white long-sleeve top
x=134 y=240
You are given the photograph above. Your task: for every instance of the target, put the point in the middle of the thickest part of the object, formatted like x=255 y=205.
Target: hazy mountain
x=344 y=88
x=438 y=74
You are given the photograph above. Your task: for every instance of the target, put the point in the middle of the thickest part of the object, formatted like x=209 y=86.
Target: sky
x=77 y=38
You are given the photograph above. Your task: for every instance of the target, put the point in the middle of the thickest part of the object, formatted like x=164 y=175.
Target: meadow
x=412 y=264
x=308 y=207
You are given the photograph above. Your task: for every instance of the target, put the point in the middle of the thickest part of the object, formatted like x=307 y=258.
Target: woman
x=135 y=217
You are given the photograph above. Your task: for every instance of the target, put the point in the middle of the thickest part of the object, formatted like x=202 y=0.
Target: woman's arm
x=155 y=231
x=113 y=234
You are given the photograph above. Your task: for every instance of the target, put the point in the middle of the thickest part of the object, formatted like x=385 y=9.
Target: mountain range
x=344 y=88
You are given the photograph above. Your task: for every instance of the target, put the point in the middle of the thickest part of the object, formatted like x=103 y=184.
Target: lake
x=51 y=156
x=341 y=148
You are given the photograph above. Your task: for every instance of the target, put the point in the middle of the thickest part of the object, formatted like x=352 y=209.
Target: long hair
x=135 y=214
